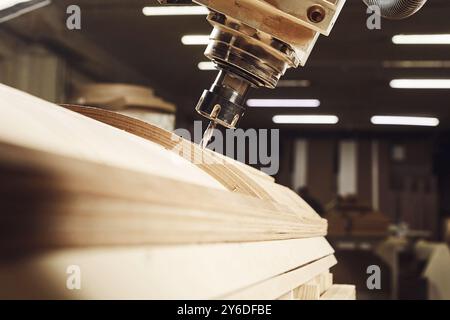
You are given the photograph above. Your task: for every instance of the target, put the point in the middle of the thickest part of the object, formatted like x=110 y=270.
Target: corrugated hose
x=396 y=9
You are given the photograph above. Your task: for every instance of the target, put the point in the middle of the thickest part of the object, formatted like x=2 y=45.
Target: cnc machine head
x=254 y=42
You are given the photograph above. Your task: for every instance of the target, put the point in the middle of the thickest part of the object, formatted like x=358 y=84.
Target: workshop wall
x=393 y=175
x=23 y=65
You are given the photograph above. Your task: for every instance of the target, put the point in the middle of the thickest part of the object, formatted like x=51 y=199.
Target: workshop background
x=385 y=189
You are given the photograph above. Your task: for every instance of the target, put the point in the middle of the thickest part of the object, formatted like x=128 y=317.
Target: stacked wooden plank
x=114 y=197
x=134 y=101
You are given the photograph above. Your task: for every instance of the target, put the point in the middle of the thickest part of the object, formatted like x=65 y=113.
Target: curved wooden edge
x=232 y=174
x=118 y=96
x=56 y=201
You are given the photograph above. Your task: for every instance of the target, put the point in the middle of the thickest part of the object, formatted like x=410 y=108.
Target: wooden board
x=232 y=174
x=37 y=124
x=120 y=96
x=74 y=181
x=308 y=291
x=314 y=288
x=287 y=296
x=228 y=172
x=114 y=196
x=340 y=292
x=280 y=284
x=58 y=201
x=162 y=272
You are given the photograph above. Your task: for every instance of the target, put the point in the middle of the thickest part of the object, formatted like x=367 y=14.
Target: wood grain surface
x=70 y=180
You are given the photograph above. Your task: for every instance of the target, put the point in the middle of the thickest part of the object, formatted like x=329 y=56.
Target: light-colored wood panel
x=308 y=291
x=276 y=286
x=233 y=175
x=157 y=272
x=287 y=296
x=340 y=292
x=67 y=202
x=34 y=123
x=313 y=289
x=94 y=193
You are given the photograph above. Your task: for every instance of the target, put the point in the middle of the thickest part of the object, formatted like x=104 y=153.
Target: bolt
x=316 y=13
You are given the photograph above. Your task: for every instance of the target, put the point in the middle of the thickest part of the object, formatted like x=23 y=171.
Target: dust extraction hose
x=396 y=9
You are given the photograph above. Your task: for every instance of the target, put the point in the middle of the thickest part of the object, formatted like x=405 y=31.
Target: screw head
x=316 y=13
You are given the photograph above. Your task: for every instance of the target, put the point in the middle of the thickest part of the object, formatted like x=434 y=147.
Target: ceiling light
x=293 y=83
x=174 y=10
x=305 y=119
x=10 y=9
x=421 y=39
x=9 y=3
x=281 y=103
x=195 y=39
x=417 y=64
x=405 y=121
x=420 y=83
x=207 y=65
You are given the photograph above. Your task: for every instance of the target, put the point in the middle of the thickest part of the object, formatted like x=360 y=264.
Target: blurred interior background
x=385 y=189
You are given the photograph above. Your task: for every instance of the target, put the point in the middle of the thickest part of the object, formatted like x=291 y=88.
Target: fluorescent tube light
x=405 y=121
x=417 y=64
x=174 y=10
x=10 y=3
x=195 y=39
x=10 y=9
x=281 y=103
x=420 y=83
x=293 y=83
x=421 y=39
x=305 y=119
x=207 y=65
